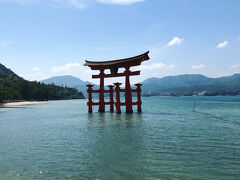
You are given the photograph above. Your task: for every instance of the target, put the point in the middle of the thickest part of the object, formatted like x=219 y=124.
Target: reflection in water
x=107 y=119
x=117 y=142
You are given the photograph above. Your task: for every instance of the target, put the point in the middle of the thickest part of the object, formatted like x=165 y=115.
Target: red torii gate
x=114 y=66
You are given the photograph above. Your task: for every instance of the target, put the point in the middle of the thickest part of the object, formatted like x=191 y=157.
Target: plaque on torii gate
x=114 y=65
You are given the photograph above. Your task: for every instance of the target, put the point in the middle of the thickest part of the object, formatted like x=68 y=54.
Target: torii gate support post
x=90 y=102
x=128 y=91
x=118 y=102
x=139 y=101
x=111 y=98
x=101 y=92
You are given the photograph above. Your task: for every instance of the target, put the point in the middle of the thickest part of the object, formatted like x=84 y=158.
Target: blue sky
x=44 y=38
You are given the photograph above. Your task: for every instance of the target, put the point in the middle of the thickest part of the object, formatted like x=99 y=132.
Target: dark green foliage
x=13 y=87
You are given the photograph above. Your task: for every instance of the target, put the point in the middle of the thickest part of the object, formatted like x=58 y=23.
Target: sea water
x=168 y=140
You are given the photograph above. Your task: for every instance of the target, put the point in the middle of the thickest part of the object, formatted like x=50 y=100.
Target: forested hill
x=192 y=84
x=13 y=87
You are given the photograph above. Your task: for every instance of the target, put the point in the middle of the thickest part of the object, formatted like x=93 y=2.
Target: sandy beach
x=23 y=103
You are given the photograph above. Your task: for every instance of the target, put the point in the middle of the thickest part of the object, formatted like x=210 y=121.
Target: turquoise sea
x=60 y=140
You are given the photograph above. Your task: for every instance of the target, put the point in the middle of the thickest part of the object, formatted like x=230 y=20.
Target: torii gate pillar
x=128 y=92
x=101 y=92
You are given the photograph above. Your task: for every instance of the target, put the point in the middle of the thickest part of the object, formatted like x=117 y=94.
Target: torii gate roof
x=132 y=61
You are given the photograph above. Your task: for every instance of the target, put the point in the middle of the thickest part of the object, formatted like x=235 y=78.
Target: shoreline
x=22 y=103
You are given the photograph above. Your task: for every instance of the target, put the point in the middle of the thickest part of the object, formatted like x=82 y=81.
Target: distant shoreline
x=21 y=103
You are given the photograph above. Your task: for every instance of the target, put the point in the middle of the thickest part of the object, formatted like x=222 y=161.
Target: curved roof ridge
x=135 y=60
x=134 y=57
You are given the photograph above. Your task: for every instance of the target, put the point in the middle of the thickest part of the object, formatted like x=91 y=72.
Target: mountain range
x=188 y=84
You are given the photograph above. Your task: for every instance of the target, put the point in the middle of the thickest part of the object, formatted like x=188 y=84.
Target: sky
x=44 y=38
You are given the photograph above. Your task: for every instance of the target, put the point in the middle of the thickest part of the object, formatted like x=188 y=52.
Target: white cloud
x=222 y=45
x=175 y=41
x=34 y=75
x=156 y=66
x=66 y=68
x=5 y=43
x=74 y=69
x=171 y=66
x=122 y=2
x=235 y=66
x=35 y=69
x=198 y=66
